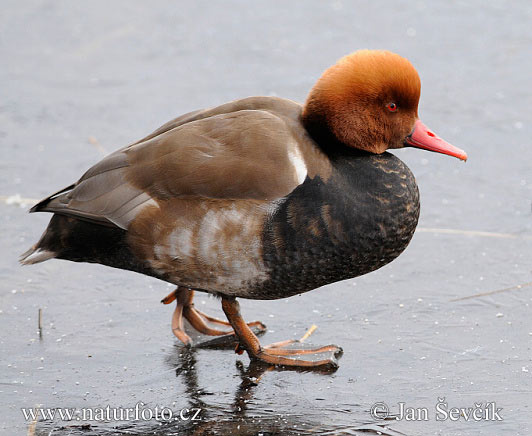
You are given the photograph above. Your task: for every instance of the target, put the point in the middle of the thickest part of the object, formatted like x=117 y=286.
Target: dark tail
x=64 y=238
x=42 y=250
x=80 y=240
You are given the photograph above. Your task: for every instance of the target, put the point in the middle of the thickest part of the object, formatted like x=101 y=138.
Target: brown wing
x=243 y=154
x=102 y=195
x=246 y=154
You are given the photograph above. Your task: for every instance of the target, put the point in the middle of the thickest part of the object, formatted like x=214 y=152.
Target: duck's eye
x=392 y=107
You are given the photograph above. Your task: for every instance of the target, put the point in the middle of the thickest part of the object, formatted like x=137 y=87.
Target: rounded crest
x=367 y=100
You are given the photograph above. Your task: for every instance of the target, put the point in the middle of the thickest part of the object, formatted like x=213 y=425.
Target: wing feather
x=241 y=154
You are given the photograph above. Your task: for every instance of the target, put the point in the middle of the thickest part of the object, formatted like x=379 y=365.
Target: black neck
x=318 y=129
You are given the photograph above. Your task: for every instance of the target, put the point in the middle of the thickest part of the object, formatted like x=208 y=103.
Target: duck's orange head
x=369 y=100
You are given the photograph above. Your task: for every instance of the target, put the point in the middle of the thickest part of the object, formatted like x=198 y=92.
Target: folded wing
x=243 y=154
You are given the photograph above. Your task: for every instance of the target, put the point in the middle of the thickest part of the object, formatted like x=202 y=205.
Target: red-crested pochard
x=258 y=198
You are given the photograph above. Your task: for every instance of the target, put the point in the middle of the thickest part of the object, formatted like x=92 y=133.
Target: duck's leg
x=178 y=328
x=200 y=321
x=279 y=353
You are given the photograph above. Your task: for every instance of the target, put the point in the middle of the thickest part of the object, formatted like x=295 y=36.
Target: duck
x=260 y=198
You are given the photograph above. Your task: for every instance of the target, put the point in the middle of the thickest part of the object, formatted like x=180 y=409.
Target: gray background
x=115 y=70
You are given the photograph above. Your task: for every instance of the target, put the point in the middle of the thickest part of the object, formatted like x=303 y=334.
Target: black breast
x=358 y=220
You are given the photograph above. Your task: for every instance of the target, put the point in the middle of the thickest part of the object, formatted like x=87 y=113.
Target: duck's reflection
x=233 y=420
x=250 y=377
x=186 y=371
x=240 y=416
x=236 y=420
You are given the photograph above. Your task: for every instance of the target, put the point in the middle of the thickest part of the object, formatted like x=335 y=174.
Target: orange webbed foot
x=291 y=353
x=200 y=322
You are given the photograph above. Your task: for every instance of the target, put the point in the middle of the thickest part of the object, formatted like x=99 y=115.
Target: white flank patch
x=297 y=161
x=220 y=250
x=234 y=259
x=180 y=243
x=159 y=251
x=211 y=227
